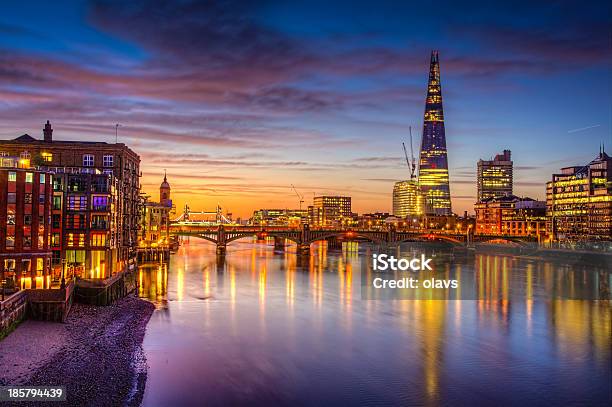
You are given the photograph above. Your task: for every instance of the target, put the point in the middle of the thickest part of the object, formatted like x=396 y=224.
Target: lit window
x=29 y=177
x=88 y=160
x=42 y=178
x=25 y=155
x=47 y=157
x=107 y=161
x=98 y=239
x=12 y=176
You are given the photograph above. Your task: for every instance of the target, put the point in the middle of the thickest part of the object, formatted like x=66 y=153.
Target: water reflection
x=276 y=328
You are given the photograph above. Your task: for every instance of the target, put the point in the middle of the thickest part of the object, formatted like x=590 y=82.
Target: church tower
x=164 y=192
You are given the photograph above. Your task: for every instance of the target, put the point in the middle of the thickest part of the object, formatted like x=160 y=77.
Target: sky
x=240 y=100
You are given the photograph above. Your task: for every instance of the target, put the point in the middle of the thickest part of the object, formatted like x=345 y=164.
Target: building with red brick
x=25 y=210
x=96 y=201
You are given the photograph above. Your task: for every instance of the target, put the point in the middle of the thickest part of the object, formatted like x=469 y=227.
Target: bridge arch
x=515 y=242
x=430 y=237
x=348 y=234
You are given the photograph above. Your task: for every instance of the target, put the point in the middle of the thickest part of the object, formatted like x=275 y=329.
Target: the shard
x=433 y=163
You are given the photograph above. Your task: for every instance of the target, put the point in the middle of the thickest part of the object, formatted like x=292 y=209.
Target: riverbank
x=96 y=354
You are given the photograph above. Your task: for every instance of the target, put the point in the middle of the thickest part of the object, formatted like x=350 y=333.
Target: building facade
x=407 y=199
x=433 y=161
x=579 y=201
x=25 y=210
x=494 y=177
x=510 y=215
x=329 y=211
x=155 y=220
x=96 y=202
x=280 y=217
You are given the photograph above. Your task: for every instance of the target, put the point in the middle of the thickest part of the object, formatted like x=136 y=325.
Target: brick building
x=96 y=202
x=25 y=204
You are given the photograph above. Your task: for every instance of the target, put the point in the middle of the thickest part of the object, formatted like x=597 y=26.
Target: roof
x=26 y=138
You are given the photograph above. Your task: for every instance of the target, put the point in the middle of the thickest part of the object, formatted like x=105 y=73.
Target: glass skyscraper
x=433 y=163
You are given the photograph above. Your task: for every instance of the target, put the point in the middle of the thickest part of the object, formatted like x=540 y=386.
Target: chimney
x=48 y=132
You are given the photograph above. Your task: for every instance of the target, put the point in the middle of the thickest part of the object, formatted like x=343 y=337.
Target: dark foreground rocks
x=101 y=362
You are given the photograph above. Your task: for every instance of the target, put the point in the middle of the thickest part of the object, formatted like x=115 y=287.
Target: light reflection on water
x=270 y=328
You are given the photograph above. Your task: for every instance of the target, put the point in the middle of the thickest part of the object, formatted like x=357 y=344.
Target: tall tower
x=494 y=177
x=164 y=192
x=433 y=163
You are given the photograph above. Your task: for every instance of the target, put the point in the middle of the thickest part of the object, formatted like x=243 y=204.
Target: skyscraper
x=407 y=199
x=494 y=177
x=433 y=164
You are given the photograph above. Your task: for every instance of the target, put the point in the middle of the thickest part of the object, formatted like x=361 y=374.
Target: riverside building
x=25 y=205
x=330 y=211
x=155 y=222
x=579 y=201
x=510 y=215
x=494 y=177
x=407 y=199
x=96 y=202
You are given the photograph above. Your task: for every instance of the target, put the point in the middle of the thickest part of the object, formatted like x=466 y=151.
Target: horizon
x=320 y=100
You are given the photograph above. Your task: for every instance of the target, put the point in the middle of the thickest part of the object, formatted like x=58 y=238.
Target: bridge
x=303 y=237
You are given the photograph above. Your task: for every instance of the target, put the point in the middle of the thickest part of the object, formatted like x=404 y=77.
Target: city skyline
x=324 y=107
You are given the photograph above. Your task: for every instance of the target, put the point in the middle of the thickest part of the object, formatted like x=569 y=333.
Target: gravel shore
x=99 y=358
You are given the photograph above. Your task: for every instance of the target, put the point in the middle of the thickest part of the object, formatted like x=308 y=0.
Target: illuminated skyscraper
x=433 y=164
x=407 y=199
x=494 y=177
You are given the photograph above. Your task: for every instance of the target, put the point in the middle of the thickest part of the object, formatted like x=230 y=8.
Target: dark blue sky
x=240 y=99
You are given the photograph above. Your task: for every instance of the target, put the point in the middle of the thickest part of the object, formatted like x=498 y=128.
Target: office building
x=407 y=199
x=433 y=162
x=280 y=217
x=330 y=211
x=579 y=201
x=494 y=177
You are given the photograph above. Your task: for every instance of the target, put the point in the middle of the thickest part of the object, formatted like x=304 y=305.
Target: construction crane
x=411 y=165
x=300 y=197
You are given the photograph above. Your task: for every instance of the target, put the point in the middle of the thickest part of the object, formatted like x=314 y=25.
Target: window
x=99 y=203
x=27 y=219
x=88 y=160
x=98 y=239
x=12 y=176
x=29 y=177
x=57 y=202
x=56 y=219
x=42 y=179
x=11 y=197
x=55 y=239
x=76 y=239
x=28 y=198
x=10 y=241
x=77 y=202
x=107 y=161
x=25 y=155
x=47 y=157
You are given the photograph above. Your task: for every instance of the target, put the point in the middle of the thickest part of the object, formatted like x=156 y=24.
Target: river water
x=268 y=328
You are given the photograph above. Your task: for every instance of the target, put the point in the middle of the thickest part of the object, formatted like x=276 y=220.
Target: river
x=266 y=328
